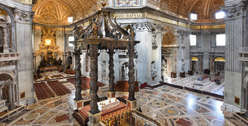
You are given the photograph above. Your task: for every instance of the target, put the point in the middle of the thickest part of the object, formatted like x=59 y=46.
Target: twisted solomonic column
x=111 y=70
x=94 y=76
x=131 y=71
x=78 y=81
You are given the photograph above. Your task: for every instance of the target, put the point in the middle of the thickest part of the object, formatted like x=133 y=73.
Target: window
x=220 y=40
x=192 y=40
x=220 y=15
x=71 y=38
x=70 y=19
x=193 y=16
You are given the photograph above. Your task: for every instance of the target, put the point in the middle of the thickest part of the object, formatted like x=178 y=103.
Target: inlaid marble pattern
x=170 y=106
x=193 y=82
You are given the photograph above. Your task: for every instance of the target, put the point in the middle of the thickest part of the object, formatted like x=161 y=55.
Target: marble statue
x=183 y=65
x=126 y=70
x=104 y=69
x=153 y=69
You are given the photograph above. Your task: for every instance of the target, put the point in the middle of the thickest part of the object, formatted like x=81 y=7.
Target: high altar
x=103 y=34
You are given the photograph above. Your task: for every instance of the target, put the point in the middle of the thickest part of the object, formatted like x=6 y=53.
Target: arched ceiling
x=204 y=8
x=58 y=11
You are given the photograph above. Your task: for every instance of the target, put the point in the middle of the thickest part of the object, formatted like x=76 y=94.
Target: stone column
x=5 y=44
x=201 y=64
x=94 y=76
x=131 y=101
x=211 y=64
x=111 y=92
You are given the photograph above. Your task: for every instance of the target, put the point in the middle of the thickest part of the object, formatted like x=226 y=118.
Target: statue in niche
x=153 y=69
x=104 y=69
x=183 y=65
x=126 y=70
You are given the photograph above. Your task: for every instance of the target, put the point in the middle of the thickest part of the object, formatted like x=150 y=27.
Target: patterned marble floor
x=170 y=106
x=204 y=85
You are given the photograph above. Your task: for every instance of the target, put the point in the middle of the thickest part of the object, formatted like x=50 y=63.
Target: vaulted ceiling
x=204 y=8
x=58 y=11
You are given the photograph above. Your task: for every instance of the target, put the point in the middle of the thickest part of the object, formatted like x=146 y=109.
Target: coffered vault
x=58 y=11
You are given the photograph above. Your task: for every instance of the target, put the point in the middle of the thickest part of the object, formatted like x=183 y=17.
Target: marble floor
x=170 y=106
x=193 y=82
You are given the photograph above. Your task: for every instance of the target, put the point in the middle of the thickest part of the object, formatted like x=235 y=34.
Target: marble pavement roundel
x=171 y=111
x=31 y=116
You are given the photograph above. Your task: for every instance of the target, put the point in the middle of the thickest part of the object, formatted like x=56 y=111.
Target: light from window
x=220 y=15
x=192 y=40
x=220 y=40
x=71 y=39
x=193 y=16
x=70 y=19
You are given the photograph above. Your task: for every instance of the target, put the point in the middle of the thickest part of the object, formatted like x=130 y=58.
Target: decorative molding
x=235 y=11
x=23 y=16
x=7 y=63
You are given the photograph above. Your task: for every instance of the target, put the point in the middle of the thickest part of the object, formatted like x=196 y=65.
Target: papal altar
x=107 y=104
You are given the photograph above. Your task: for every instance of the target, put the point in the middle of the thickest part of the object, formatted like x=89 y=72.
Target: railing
x=9 y=56
x=12 y=112
x=121 y=118
x=141 y=118
x=128 y=117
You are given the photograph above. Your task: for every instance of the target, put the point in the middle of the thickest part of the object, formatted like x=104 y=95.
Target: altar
x=107 y=104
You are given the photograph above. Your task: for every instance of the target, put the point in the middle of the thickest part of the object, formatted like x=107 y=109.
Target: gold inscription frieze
x=127 y=15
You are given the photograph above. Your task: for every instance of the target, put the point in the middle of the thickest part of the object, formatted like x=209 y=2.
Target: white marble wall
x=25 y=64
x=235 y=23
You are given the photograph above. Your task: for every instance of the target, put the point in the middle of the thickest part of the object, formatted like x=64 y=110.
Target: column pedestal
x=94 y=120
x=131 y=104
x=78 y=104
x=111 y=94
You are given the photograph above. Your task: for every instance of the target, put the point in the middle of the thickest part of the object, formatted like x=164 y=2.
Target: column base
x=94 y=120
x=111 y=94
x=132 y=104
x=6 y=49
x=78 y=104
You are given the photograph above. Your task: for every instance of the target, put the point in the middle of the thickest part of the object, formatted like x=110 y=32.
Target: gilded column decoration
x=78 y=81
x=94 y=76
x=111 y=70
x=131 y=71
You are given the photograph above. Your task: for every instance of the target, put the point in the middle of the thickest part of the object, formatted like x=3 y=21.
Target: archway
x=195 y=64
x=6 y=89
x=219 y=65
x=169 y=53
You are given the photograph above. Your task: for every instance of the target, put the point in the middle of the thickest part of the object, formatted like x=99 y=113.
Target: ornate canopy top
x=104 y=27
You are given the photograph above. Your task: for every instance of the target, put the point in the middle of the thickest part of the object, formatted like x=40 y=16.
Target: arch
x=219 y=59
x=169 y=39
x=120 y=69
x=194 y=58
x=9 y=73
x=12 y=17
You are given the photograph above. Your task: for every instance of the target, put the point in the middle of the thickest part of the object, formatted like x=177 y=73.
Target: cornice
x=17 y=4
